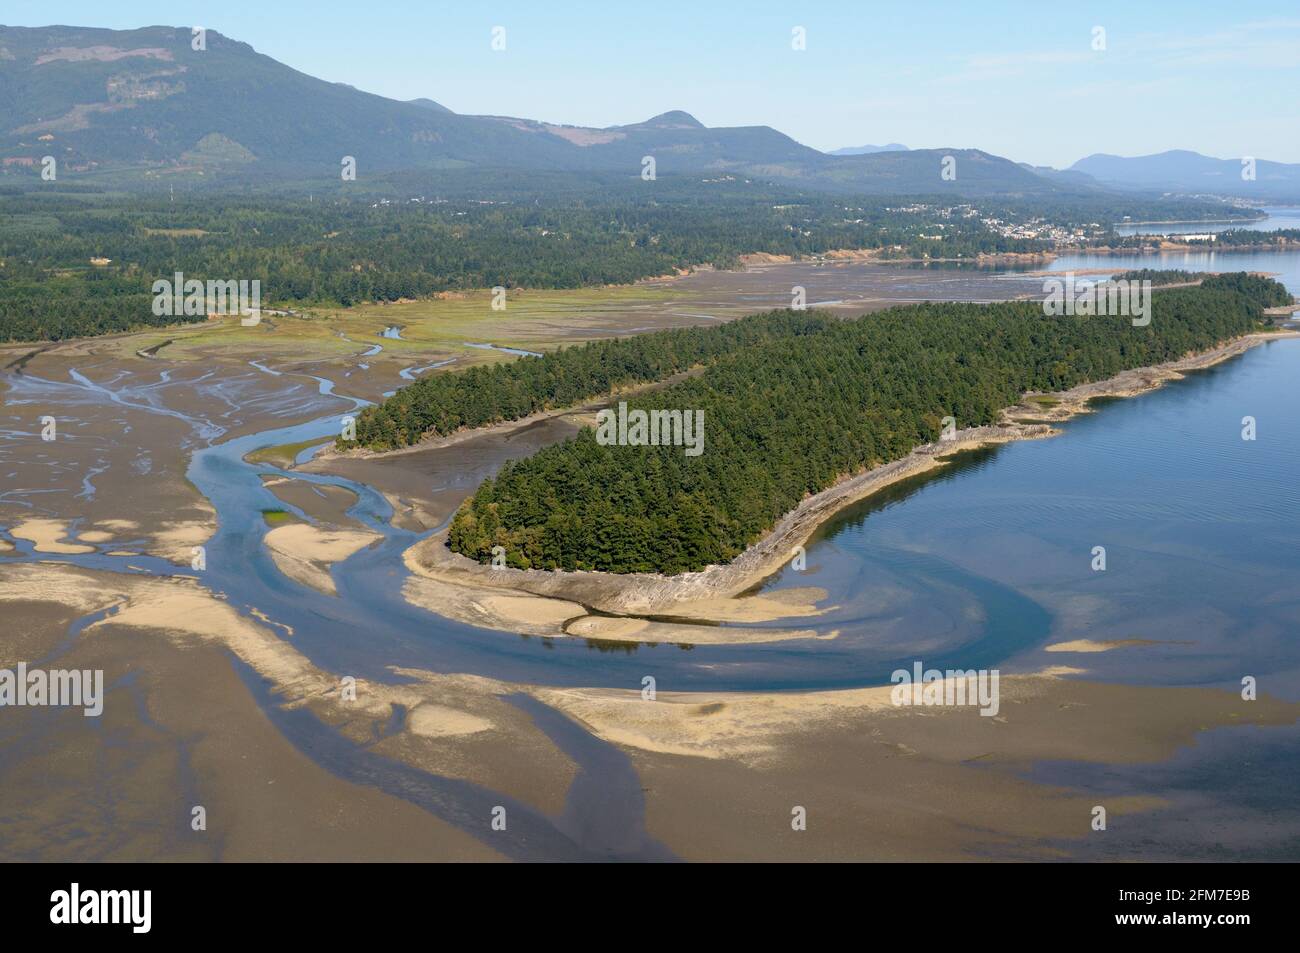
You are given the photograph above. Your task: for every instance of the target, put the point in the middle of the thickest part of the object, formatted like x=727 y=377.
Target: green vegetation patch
x=283 y=455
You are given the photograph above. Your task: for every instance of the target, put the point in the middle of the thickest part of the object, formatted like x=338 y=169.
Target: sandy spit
x=1092 y=645
x=529 y=614
x=757 y=726
x=304 y=552
x=46 y=536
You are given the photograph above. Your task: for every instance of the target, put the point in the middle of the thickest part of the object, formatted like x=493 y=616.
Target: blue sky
x=1019 y=79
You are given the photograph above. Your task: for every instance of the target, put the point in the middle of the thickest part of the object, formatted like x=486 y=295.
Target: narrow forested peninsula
x=444 y=403
x=804 y=401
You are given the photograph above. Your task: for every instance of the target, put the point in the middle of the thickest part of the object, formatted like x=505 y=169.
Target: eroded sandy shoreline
x=644 y=593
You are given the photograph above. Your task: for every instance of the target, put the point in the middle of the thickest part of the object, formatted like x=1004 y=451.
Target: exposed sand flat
x=646 y=594
x=178 y=606
x=95 y=536
x=538 y=615
x=305 y=552
x=766 y=607
x=721 y=770
x=526 y=609
x=707 y=724
x=456 y=725
x=125 y=471
x=1100 y=722
x=6 y=546
x=55 y=583
x=196 y=737
x=1090 y=645
x=490 y=608
x=607 y=629
x=436 y=721
x=304 y=571
x=313 y=542
x=322 y=502
x=879 y=782
x=176 y=541
x=45 y=535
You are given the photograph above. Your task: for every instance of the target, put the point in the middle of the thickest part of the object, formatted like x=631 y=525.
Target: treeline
x=477 y=231
x=1246 y=236
x=1266 y=291
x=444 y=403
x=76 y=265
x=785 y=419
x=1158 y=276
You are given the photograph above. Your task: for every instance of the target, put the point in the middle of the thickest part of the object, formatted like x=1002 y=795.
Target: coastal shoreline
x=636 y=594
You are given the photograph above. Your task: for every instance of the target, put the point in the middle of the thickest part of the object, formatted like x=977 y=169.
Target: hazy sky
x=1017 y=79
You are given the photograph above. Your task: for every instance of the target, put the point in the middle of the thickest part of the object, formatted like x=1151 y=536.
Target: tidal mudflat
x=226 y=682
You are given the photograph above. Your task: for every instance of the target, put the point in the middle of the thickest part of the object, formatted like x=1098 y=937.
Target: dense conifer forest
x=806 y=402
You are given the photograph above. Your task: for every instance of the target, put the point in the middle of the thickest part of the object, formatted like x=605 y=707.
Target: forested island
x=802 y=403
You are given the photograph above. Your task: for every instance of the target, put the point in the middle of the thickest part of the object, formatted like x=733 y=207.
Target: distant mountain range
x=135 y=105
x=1182 y=171
x=145 y=102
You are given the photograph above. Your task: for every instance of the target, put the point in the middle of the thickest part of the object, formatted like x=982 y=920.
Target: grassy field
x=431 y=329
x=284 y=455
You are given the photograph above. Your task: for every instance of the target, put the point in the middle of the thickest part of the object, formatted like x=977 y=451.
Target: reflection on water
x=1278 y=217
x=1200 y=527
x=1284 y=264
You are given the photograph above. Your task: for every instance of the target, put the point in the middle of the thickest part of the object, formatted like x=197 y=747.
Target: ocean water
x=1279 y=216
x=1200 y=528
x=1201 y=531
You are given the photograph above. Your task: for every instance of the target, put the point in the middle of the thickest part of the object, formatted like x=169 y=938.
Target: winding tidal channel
x=980 y=564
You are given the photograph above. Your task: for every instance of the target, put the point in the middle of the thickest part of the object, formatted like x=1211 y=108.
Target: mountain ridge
x=146 y=103
x=1189 y=171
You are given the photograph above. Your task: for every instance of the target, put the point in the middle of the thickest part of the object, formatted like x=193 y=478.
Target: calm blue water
x=1285 y=265
x=1202 y=537
x=1201 y=531
x=1278 y=217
